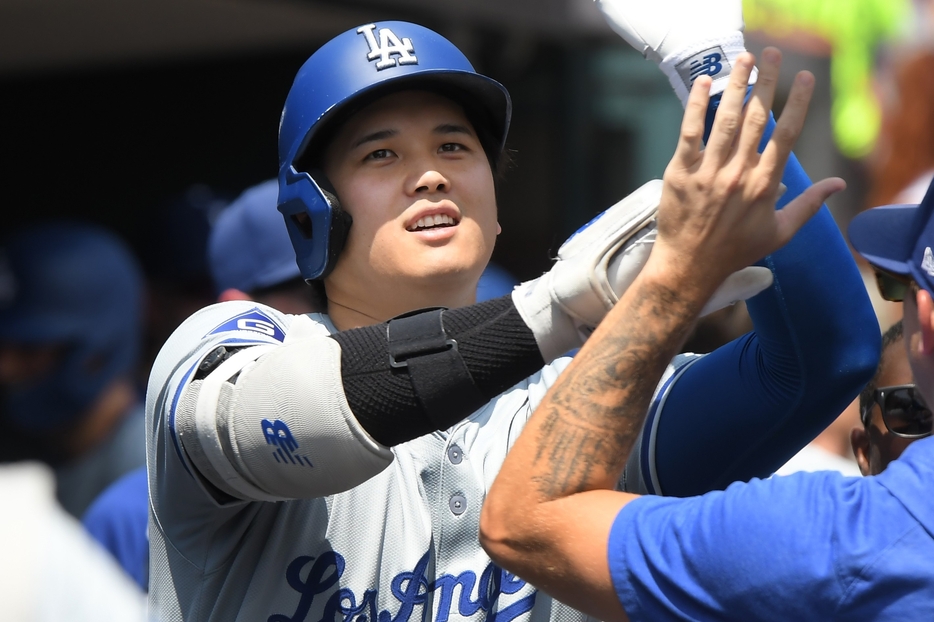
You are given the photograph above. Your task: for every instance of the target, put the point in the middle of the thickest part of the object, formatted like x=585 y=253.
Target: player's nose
x=428 y=181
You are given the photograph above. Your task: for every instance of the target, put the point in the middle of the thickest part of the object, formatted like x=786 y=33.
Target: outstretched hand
x=717 y=213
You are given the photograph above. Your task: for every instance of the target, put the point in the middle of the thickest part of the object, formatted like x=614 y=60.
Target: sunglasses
x=895 y=287
x=903 y=411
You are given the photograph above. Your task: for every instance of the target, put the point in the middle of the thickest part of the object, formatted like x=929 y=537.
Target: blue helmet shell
x=359 y=65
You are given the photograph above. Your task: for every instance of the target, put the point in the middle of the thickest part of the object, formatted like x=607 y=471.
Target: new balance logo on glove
x=710 y=62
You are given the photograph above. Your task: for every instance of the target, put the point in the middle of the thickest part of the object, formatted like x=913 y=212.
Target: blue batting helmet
x=350 y=71
x=76 y=286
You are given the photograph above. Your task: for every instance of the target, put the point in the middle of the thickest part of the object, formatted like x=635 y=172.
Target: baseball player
x=326 y=466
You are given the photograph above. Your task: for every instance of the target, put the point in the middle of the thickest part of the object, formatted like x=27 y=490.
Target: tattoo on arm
x=596 y=411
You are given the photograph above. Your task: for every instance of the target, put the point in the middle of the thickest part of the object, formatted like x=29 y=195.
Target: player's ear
x=499 y=228
x=859 y=441
x=232 y=294
x=926 y=320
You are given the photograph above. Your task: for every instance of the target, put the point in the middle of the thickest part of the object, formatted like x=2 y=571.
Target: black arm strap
x=438 y=373
x=438 y=363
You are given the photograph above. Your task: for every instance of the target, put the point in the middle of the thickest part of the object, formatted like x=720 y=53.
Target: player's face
x=23 y=364
x=876 y=447
x=412 y=173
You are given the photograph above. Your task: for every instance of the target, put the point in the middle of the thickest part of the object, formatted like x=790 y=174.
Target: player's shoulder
x=236 y=323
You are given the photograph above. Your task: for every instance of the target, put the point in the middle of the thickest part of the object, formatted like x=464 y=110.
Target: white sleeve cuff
x=712 y=57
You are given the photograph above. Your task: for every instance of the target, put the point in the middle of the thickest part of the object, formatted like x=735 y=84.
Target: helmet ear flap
x=340 y=220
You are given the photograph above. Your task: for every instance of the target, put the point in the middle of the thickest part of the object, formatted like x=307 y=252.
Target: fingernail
x=806 y=79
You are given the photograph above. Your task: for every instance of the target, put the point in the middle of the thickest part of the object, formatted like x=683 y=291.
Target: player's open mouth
x=433 y=221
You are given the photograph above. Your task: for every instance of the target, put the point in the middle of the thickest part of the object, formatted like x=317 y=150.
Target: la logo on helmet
x=388 y=45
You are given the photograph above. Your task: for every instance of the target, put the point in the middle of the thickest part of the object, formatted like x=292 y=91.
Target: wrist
x=693 y=280
x=714 y=57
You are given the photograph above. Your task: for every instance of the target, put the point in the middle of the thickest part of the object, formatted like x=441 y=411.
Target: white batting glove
x=597 y=265
x=687 y=38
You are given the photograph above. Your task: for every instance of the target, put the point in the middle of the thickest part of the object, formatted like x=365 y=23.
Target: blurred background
x=111 y=109
x=147 y=117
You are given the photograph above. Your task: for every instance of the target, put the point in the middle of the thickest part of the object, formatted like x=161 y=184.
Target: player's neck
x=347 y=311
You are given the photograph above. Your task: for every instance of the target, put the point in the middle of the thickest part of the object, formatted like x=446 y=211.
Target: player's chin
x=450 y=262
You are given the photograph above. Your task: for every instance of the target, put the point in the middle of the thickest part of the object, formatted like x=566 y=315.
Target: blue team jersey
x=809 y=546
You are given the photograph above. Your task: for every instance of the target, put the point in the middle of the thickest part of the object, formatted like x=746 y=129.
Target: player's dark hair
x=891 y=336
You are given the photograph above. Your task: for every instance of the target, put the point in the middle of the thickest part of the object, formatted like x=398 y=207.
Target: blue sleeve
x=744 y=409
x=118 y=519
x=809 y=546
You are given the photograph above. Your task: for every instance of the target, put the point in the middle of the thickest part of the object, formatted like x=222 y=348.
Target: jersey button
x=455 y=455
x=458 y=504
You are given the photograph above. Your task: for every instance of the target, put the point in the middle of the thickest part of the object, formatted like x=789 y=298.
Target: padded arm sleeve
x=743 y=410
x=272 y=423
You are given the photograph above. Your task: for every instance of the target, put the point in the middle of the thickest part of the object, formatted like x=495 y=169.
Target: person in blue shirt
x=809 y=546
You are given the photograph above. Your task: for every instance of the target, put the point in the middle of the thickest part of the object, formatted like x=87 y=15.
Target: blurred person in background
x=250 y=257
x=70 y=328
x=50 y=569
x=172 y=246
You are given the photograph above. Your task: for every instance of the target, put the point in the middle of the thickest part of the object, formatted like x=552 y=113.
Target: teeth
x=426 y=222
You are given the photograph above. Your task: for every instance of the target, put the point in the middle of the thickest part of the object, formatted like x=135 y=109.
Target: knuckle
x=785 y=133
x=731 y=179
x=757 y=117
x=691 y=134
x=729 y=122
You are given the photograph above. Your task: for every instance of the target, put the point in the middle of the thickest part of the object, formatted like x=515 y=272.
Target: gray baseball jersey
x=401 y=546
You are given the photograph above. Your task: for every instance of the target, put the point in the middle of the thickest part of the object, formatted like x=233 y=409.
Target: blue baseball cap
x=899 y=239
x=249 y=246
x=79 y=286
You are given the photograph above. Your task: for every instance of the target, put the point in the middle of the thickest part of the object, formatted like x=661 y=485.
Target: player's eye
x=451 y=147
x=379 y=154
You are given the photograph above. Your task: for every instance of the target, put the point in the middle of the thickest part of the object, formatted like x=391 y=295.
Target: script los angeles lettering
x=410 y=589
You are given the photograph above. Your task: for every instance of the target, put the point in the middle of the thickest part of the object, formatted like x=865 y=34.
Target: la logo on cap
x=388 y=45
x=927 y=263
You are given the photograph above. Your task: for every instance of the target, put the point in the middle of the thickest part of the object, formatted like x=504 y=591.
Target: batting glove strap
x=714 y=57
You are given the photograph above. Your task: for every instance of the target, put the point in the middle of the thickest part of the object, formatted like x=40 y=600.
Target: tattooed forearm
x=593 y=414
